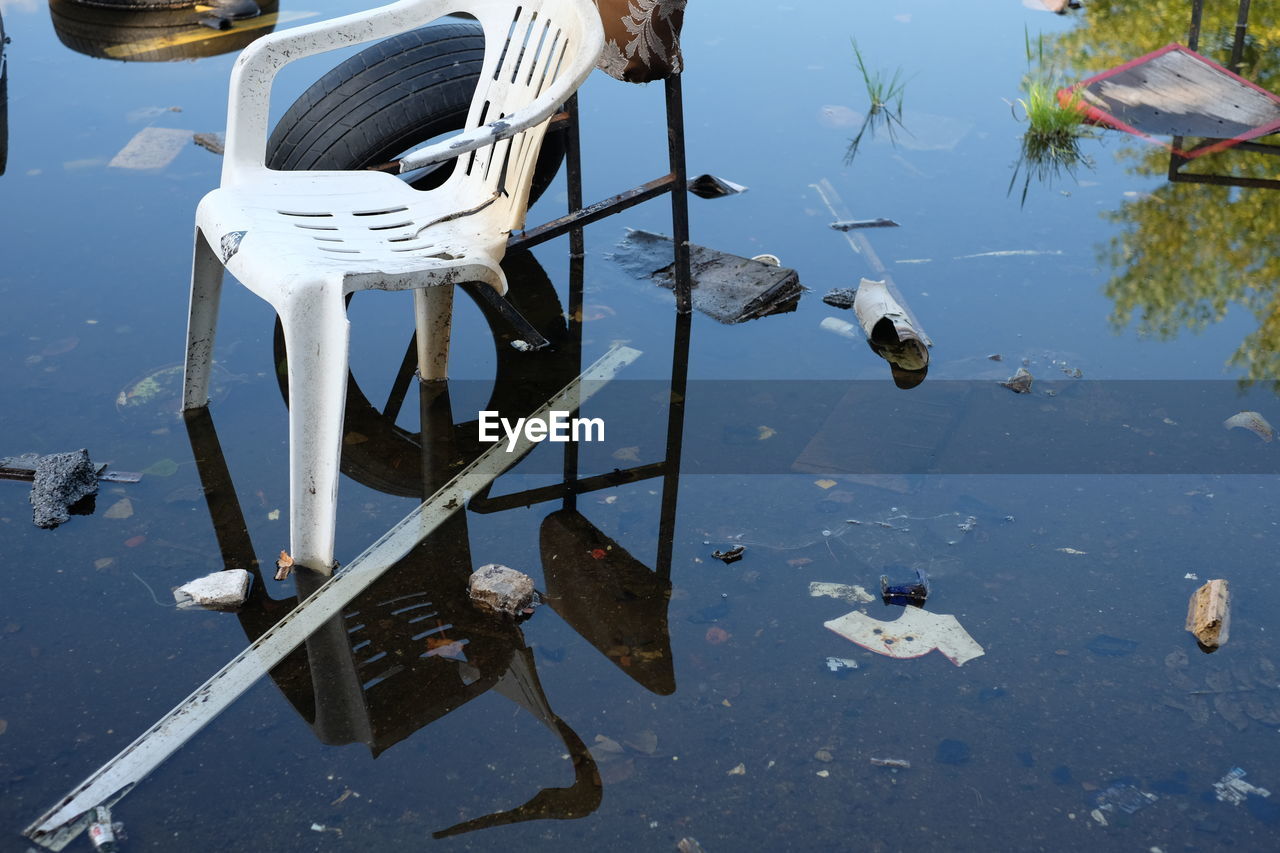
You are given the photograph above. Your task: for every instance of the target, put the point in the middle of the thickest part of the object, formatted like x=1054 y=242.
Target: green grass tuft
x=885 y=92
x=1051 y=143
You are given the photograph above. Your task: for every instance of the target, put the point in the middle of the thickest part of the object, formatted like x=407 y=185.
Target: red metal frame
x=1095 y=115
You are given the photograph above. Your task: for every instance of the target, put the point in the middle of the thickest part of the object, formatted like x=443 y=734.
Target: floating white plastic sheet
x=913 y=634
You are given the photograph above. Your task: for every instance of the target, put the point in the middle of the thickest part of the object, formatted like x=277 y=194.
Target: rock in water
x=61 y=480
x=224 y=590
x=499 y=588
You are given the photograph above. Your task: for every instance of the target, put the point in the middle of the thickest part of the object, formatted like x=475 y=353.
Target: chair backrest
x=528 y=45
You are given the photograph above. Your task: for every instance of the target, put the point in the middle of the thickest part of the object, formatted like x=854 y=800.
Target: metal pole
x=679 y=192
x=1242 y=27
x=675 y=439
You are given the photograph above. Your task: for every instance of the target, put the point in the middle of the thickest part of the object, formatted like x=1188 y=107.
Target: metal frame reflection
x=1177 y=162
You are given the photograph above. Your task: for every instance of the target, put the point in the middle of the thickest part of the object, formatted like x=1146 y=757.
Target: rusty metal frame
x=1176 y=161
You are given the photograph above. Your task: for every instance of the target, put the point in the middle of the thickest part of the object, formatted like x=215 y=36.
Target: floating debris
x=890 y=332
x=284 y=566
x=1209 y=614
x=851 y=593
x=225 y=590
x=1233 y=789
x=915 y=633
x=1020 y=382
x=60 y=483
x=841 y=666
x=728 y=288
x=1253 y=422
x=500 y=588
x=212 y=142
x=740 y=770
x=912 y=592
x=152 y=148
x=709 y=186
x=841 y=297
x=730 y=555
x=104 y=833
x=1121 y=796
x=1074 y=552
x=895 y=763
x=850 y=224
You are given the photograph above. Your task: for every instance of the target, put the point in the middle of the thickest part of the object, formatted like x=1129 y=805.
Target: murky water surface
x=663 y=694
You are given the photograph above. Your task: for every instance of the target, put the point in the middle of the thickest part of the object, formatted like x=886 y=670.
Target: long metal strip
x=62 y=823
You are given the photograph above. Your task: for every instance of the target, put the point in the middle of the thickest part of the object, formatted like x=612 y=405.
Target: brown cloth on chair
x=641 y=39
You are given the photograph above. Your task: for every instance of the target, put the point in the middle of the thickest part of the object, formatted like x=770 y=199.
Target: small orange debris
x=135 y=541
x=717 y=635
x=284 y=566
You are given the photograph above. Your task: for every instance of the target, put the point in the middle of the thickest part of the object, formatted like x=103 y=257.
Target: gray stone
x=225 y=590
x=61 y=480
x=499 y=588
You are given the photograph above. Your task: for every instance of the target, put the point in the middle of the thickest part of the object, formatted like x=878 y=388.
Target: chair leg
x=316 y=335
x=202 y=323
x=679 y=193
x=433 y=315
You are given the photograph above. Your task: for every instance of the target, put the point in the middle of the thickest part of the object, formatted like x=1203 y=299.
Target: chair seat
x=370 y=228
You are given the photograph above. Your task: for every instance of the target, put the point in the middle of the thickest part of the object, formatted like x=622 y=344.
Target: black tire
x=389 y=98
x=117 y=32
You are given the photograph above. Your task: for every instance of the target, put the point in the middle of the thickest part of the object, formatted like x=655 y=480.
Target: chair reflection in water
x=413 y=648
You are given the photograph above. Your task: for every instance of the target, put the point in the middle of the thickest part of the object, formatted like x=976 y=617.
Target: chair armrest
x=538 y=110
x=255 y=69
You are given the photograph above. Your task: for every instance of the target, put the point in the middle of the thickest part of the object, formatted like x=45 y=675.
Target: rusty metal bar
x=1224 y=181
x=679 y=193
x=482 y=503
x=1193 y=33
x=1242 y=27
x=591 y=213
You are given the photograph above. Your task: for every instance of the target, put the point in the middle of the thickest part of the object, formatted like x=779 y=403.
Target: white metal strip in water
x=62 y=823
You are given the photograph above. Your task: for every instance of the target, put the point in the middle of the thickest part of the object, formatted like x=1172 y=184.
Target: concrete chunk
x=218 y=591
x=61 y=480
x=499 y=588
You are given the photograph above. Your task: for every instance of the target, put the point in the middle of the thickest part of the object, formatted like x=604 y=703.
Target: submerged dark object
x=850 y=224
x=62 y=481
x=840 y=297
x=952 y=751
x=709 y=186
x=914 y=592
x=727 y=288
x=730 y=555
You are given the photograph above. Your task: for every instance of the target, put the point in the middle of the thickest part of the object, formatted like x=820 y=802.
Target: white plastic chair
x=305 y=240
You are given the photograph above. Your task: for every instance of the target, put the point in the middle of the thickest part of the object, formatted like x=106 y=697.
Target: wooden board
x=1177 y=92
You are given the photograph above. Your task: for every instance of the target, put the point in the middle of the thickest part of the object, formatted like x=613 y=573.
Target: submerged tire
x=150 y=34
x=389 y=98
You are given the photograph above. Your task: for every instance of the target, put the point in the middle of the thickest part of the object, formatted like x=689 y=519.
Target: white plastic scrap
x=838 y=664
x=915 y=633
x=1233 y=789
x=219 y=591
x=851 y=593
